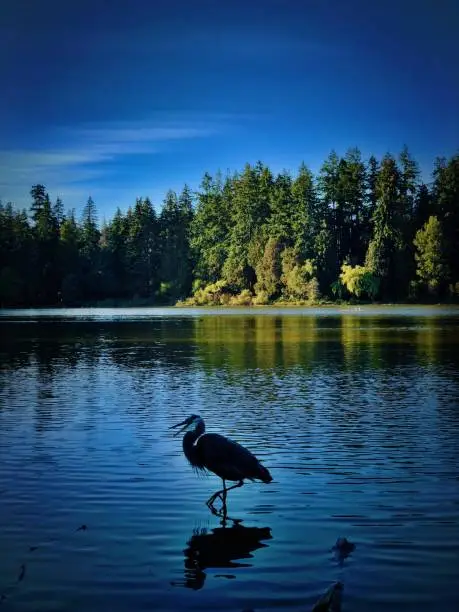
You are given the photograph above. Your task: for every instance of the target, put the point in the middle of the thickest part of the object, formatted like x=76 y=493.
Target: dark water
x=356 y=413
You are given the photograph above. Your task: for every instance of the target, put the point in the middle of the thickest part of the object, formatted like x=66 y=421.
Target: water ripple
x=356 y=415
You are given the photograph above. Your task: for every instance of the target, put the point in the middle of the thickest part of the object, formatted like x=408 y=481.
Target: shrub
x=298 y=279
x=242 y=299
x=261 y=298
x=214 y=294
x=359 y=281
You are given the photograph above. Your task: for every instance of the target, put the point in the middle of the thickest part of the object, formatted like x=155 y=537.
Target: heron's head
x=188 y=424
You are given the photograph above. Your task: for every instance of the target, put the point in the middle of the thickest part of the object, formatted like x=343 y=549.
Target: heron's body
x=220 y=455
x=224 y=457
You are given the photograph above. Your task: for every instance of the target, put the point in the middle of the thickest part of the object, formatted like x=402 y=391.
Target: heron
x=215 y=453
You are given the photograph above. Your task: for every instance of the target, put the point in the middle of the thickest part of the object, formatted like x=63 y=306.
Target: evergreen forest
x=363 y=230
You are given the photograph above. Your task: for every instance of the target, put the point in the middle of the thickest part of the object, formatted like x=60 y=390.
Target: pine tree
x=46 y=243
x=248 y=232
x=70 y=260
x=90 y=252
x=432 y=267
x=269 y=269
x=352 y=186
x=423 y=207
x=58 y=211
x=409 y=175
x=405 y=263
x=143 y=249
x=305 y=222
x=39 y=198
x=210 y=229
x=372 y=179
x=330 y=213
x=386 y=237
x=115 y=258
x=175 y=245
x=249 y=212
x=281 y=211
x=90 y=234
x=446 y=202
x=16 y=271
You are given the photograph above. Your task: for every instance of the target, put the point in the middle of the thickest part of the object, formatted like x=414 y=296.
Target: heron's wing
x=222 y=455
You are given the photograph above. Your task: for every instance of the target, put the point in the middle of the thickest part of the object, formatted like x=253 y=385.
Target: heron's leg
x=223 y=512
x=223 y=515
x=225 y=490
x=213 y=497
x=238 y=484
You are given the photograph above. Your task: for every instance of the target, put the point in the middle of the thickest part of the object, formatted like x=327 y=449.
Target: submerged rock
x=331 y=600
x=343 y=547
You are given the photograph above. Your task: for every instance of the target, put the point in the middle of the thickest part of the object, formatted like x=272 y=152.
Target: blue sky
x=125 y=98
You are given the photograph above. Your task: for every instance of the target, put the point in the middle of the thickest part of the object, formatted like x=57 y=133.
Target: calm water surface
x=355 y=412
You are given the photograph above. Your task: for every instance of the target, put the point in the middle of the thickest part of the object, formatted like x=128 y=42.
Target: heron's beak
x=184 y=424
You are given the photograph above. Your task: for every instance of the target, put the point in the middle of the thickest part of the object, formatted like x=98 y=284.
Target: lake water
x=354 y=411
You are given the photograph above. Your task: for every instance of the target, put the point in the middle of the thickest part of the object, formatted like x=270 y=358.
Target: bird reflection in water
x=223 y=547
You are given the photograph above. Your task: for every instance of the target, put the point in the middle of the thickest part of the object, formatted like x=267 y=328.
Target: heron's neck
x=189 y=444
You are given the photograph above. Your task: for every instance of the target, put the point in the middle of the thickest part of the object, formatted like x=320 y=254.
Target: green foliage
x=446 y=203
x=90 y=234
x=432 y=268
x=39 y=199
x=143 y=249
x=423 y=206
x=353 y=180
x=409 y=174
x=250 y=207
x=361 y=228
x=236 y=271
x=298 y=278
x=342 y=217
x=176 y=257
x=371 y=184
x=210 y=227
x=325 y=256
x=378 y=256
x=304 y=217
x=281 y=210
x=337 y=289
x=359 y=281
x=387 y=252
x=331 y=216
x=269 y=270
x=261 y=299
x=166 y=289
x=242 y=299
x=215 y=294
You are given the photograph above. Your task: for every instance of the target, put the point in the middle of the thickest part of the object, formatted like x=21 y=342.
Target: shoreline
x=266 y=308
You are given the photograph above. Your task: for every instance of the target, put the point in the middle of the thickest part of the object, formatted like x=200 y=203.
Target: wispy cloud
x=135 y=133
x=90 y=152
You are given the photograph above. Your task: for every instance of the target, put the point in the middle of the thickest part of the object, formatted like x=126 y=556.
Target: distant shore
x=130 y=304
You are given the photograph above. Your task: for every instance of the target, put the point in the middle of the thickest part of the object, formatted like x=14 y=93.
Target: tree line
x=363 y=229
